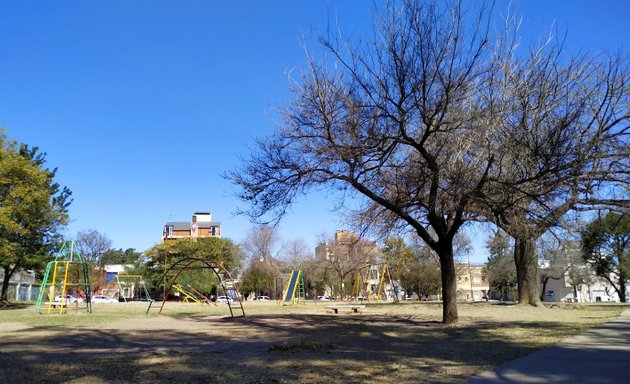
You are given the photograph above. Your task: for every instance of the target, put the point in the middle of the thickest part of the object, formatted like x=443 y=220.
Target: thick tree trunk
x=527 y=272
x=544 y=288
x=8 y=272
x=449 y=285
x=622 y=287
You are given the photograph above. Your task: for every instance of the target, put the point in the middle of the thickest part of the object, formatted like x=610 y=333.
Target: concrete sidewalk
x=600 y=355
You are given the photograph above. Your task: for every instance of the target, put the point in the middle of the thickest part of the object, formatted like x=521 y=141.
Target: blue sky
x=143 y=105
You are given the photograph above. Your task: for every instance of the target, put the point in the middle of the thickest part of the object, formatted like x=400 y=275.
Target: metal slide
x=289 y=293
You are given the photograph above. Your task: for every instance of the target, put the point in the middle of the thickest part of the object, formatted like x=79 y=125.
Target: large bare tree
x=560 y=141
x=262 y=247
x=263 y=243
x=391 y=122
x=92 y=244
x=296 y=254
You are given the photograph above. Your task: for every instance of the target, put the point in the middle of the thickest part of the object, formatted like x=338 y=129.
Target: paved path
x=600 y=355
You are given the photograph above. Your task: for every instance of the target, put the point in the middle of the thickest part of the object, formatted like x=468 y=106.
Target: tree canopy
x=120 y=256
x=220 y=250
x=560 y=139
x=606 y=246
x=435 y=122
x=33 y=209
x=93 y=245
x=389 y=123
x=416 y=268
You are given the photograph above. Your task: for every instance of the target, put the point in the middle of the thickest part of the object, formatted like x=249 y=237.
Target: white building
x=595 y=289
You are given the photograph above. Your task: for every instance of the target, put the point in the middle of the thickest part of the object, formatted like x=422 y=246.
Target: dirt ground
x=275 y=344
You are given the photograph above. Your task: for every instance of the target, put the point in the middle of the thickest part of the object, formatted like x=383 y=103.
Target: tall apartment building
x=201 y=225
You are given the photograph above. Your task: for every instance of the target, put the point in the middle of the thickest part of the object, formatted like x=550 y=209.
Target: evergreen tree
x=500 y=268
x=606 y=246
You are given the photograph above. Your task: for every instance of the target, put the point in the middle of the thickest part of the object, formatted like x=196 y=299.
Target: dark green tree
x=257 y=279
x=218 y=250
x=416 y=268
x=606 y=247
x=33 y=209
x=120 y=256
x=500 y=269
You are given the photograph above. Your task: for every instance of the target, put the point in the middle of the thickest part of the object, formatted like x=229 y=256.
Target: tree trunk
x=449 y=285
x=622 y=286
x=8 y=272
x=527 y=272
x=544 y=288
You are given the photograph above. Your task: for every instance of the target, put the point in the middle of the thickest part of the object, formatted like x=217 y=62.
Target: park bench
x=54 y=304
x=349 y=307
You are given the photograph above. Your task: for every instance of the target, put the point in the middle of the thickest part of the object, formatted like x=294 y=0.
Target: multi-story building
x=471 y=285
x=591 y=288
x=201 y=225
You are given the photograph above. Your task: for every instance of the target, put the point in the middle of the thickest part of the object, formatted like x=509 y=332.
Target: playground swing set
x=66 y=276
x=360 y=284
x=132 y=288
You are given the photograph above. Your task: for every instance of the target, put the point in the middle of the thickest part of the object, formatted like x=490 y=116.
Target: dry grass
x=189 y=343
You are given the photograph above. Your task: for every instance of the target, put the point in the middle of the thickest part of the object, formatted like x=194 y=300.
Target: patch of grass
x=302 y=344
x=276 y=344
x=101 y=313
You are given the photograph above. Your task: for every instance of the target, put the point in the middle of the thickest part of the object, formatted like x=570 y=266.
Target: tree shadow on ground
x=262 y=349
x=7 y=305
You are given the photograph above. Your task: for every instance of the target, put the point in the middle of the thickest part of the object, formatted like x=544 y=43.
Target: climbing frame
x=67 y=277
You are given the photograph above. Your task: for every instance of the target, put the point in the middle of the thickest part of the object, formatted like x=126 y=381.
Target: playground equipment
x=358 y=287
x=294 y=291
x=380 y=292
x=200 y=297
x=66 y=281
x=131 y=287
x=374 y=282
x=169 y=280
x=190 y=294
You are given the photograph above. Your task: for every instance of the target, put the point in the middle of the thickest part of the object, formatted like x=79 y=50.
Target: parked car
x=325 y=298
x=69 y=299
x=103 y=299
x=224 y=299
x=263 y=298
